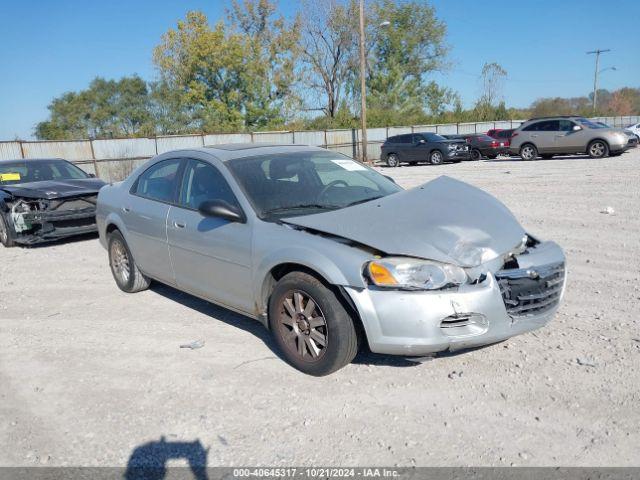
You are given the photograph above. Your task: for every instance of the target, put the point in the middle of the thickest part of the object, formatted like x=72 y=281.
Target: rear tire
x=123 y=267
x=393 y=160
x=304 y=314
x=598 y=149
x=6 y=233
x=528 y=151
x=436 y=157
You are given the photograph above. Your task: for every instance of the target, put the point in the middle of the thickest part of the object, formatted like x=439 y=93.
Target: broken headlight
x=413 y=273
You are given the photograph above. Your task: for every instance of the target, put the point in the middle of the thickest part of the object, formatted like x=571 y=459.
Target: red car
x=503 y=135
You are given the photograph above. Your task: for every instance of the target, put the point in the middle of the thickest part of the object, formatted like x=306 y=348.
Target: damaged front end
x=39 y=220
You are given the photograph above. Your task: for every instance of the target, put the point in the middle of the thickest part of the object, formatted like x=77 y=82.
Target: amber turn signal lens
x=380 y=275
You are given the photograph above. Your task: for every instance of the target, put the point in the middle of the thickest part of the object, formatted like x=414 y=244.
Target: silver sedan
x=329 y=254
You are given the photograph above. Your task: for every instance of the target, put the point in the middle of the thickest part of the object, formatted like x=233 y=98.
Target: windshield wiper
x=304 y=206
x=364 y=200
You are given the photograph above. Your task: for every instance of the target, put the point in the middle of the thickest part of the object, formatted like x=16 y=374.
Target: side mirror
x=577 y=128
x=222 y=209
x=421 y=141
x=389 y=178
x=92 y=175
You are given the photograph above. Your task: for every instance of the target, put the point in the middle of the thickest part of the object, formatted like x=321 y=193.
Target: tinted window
x=433 y=137
x=159 y=181
x=403 y=139
x=544 y=126
x=38 y=170
x=201 y=182
x=566 y=125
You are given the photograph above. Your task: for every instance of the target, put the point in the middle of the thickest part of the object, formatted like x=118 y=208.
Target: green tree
x=401 y=57
x=108 y=108
x=271 y=55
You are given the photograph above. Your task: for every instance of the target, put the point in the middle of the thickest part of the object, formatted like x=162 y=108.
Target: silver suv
x=551 y=136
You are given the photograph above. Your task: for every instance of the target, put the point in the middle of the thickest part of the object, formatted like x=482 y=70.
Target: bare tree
x=328 y=47
x=492 y=83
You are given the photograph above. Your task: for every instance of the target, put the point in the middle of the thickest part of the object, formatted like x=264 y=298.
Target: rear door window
x=159 y=181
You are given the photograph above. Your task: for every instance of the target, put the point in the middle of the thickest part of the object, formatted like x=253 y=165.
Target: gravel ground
x=92 y=376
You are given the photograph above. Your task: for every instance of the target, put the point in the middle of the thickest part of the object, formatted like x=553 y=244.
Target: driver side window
x=201 y=182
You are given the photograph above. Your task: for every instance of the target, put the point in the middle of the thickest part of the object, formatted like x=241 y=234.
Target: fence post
x=20 y=142
x=93 y=157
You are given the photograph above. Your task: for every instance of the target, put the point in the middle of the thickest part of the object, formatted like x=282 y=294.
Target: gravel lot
x=92 y=376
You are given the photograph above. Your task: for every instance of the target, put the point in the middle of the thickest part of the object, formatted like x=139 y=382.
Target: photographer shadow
x=149 y=460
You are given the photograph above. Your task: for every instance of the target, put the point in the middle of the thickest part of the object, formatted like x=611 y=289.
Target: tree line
x=257 y=70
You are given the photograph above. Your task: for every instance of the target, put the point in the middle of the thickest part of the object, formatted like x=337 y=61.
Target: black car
x=413 y=148
x=482 y=145
x=45 y=199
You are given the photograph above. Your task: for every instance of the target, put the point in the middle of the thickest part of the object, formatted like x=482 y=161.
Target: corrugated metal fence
x=114 y=159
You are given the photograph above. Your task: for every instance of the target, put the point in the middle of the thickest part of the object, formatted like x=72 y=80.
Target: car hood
x=55 y=189
x=444 y=220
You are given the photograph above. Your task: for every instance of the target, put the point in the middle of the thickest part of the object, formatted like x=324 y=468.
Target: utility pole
x=595 y=76
x=363 y=86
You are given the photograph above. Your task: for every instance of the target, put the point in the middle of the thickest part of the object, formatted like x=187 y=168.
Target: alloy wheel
x=392 y=160
x=302 y=326
x=597 y=149
x=527 y=153
x=120 y=264
x=436 y=158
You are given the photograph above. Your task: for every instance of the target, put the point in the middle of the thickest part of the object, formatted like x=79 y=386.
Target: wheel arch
x=273 y=274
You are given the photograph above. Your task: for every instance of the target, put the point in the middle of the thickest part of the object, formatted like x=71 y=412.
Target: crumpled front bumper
x=49 y=226
x=415 y=323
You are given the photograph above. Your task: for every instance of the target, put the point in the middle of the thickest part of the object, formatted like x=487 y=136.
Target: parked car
x=46 y=199
x=635 y=129
x=502 y=135
x=413 y=148
x=551 y=136
x=482 y=145
x=328 y=253
x=633 y=138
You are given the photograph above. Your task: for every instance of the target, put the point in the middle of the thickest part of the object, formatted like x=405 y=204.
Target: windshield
x=302 y=183
x=26 y=171
x=589 y=124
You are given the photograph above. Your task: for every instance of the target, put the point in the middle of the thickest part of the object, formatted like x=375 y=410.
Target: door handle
x=179 y=225
x=126 y=209
x=534 y=136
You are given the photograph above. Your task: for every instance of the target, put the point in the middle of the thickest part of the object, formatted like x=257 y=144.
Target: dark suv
x=413 y=148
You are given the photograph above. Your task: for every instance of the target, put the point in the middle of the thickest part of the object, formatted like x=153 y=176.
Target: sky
x=49 y=47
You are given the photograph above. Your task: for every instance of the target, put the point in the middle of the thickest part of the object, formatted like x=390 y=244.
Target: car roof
x=231 y=151
x=30 y=160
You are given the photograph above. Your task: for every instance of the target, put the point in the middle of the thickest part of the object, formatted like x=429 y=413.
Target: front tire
x=476 y=155
x=528 y=152
x=598 y=149
x=436 y=157
x=6 y=233
x=123 y=267
x=393 y=160
x=314 y=332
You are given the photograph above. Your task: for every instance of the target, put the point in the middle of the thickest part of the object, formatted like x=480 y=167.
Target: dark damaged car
x=45 y=199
